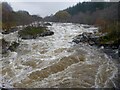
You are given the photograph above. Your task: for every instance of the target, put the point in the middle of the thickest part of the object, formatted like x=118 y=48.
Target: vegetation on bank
x=34 y=31
x=112 y=35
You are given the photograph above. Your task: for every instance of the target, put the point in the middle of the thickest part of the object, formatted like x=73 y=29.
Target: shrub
x=32 y=31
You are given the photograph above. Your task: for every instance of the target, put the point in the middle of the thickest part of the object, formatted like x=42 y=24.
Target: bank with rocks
x=110 y=48
x=8 y=46
x=31 y=31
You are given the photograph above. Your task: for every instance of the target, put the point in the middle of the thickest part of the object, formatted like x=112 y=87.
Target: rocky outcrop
x=13 y=46
x=10 y=30
x=47 y=33
x=6 y=46
x=92 y=39
x=85 y=37
x=31 y=32
x=47 y=24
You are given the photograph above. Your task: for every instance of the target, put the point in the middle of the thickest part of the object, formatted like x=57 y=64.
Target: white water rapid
x=55 y=61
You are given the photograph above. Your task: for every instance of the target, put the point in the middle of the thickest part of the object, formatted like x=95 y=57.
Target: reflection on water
x=54 y=61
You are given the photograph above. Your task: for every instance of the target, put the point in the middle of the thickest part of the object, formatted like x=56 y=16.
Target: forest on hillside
x=11 y=18
x=88 y=13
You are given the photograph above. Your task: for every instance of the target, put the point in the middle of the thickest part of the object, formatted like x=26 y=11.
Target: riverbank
x=93 y=39
x=111 y=50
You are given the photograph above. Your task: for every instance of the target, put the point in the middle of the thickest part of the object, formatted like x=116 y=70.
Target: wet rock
x=47 y=33
x=91 y=39
x=10 y=30
x=47 y=24
x=86 y=26
x=13 y=46
x=86 y=38
x=27 y=36
x=6 y=46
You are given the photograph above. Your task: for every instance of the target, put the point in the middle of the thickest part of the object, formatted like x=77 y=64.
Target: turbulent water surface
x=54 y=61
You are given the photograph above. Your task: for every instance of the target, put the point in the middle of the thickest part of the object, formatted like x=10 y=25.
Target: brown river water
x=55 y=62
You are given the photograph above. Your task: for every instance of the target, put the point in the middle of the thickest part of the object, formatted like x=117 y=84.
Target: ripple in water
x=54 y=61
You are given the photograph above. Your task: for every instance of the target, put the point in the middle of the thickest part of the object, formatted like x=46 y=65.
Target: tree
x=62 y=16
x=11 y=18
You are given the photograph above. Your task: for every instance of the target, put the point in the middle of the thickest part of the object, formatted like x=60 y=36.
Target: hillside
x=11 y=18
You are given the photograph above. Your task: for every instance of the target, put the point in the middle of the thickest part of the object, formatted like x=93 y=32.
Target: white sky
x=45 y=0
x=42 y=7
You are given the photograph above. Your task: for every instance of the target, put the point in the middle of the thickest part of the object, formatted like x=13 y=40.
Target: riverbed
x=56 y=62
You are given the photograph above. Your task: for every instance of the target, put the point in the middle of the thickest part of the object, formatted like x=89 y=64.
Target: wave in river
x=55 y=61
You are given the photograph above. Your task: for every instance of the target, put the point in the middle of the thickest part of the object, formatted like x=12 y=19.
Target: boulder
x=47 y=24
x=6 y=46
x=11 y=30
x=13 y=46
x=86 y=38
x=47 y=33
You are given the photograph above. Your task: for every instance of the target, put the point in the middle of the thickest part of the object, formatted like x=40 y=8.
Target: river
x=56 y=62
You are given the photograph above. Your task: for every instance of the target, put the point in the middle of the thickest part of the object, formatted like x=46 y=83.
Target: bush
x=113 y=34
x=32 y=31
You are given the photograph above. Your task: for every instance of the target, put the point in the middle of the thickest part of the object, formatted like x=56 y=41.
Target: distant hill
x=11 y=18
x=87 y=7
x=88 y=13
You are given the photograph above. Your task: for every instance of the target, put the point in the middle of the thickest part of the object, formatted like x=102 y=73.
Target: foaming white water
x=53 y=61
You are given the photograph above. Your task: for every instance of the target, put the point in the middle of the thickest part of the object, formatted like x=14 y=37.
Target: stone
x=47 y=24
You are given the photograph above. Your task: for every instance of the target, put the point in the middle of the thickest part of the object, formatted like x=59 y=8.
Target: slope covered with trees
x=11 y=18
x=92 y=12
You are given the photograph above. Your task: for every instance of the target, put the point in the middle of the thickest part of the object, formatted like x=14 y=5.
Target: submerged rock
x=47 y=33
x=92 y=39
x=6 y=46
x=13 y=46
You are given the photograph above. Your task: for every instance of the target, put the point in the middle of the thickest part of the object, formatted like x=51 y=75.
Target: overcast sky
x=42 y=7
